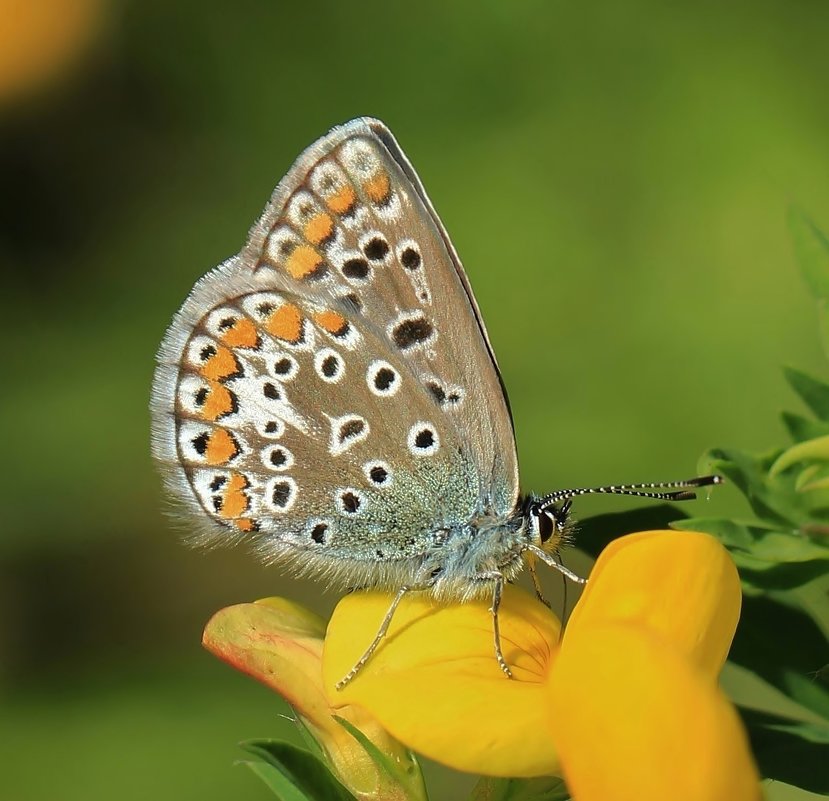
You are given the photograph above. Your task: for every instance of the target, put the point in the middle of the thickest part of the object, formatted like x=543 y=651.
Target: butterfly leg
x=381 y=633
x=497 y=591
x=537 y=585
x=551 y=561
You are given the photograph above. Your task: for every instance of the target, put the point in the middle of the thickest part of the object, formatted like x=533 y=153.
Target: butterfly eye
x=550 y=520
x=546 y=525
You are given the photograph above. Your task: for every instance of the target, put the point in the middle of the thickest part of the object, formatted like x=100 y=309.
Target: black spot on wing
x=411 y=332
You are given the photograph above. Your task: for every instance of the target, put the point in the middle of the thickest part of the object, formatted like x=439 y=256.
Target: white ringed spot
x=277 y=458
x=320 y=531
x=350 y=502
x=346 y=431
x=383 y=379
x=408 y=252
x=378 y=473
x=423 y=439
x=284 y=367
x=281 y=494
x=375 y=247
x=329 y=365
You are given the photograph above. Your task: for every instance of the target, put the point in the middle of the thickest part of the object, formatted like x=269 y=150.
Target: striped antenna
x=677 y=491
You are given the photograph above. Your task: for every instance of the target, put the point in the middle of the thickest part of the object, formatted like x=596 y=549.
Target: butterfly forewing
x=332 y=388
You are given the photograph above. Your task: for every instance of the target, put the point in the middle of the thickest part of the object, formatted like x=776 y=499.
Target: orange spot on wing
x=235 y=499
x=245 y=524
x=303 y=261
x=242 y=334
x=221 y=365
x=378 y=188
x=342 y=201
x=219 y=402
x=319 y=228
x=285 y=323
x=221 y=447
x=332 y=322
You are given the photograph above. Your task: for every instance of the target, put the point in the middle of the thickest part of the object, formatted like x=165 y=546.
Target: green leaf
x=278 y=784
x=777 y=502
x=293 y=774
x=749 y=474
x=782 y=644
x=768 y=558
x=776 y=547
x=403 y=772
x=813 y=392
x=812 y=477
x=547 y=788
x=730 y=533
x=803 y=428
x=802 y=453
x=307 y=737
x=377 y=756
x=763 y=543
x=812 y=250
x=785 y=576
x=795 y=753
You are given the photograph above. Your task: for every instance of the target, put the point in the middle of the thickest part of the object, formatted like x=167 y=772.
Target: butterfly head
x=547 y=525
x=547 y=519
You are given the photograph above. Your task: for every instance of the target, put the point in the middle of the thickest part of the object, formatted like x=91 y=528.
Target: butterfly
x=331 y=396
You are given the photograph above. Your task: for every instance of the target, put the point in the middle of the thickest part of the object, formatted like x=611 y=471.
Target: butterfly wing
x=332 y=388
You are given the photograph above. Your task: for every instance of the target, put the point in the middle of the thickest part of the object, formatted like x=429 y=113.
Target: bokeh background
x=614 y=175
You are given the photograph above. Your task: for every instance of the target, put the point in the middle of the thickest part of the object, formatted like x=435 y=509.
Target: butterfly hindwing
x=332 y=387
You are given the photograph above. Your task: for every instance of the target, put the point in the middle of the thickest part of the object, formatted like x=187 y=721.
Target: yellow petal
x=682 y=586
x=634 y=720
x=280 y=644
x=434 y=682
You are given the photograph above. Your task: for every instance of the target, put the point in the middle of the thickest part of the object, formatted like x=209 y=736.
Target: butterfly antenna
x=661 y=491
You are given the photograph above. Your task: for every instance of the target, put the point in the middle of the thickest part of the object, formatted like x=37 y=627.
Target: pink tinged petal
x=280 y=644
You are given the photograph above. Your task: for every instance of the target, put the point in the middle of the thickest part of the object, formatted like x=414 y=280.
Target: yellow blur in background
x=41 y=41
x=614 y=177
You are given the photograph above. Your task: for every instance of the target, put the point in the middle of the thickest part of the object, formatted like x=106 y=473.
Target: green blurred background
x=614 y=175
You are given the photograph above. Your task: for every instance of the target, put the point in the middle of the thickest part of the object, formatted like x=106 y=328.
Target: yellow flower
x=40 y=40
x=434 y=682
x=280 y=644
x=625 y=706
